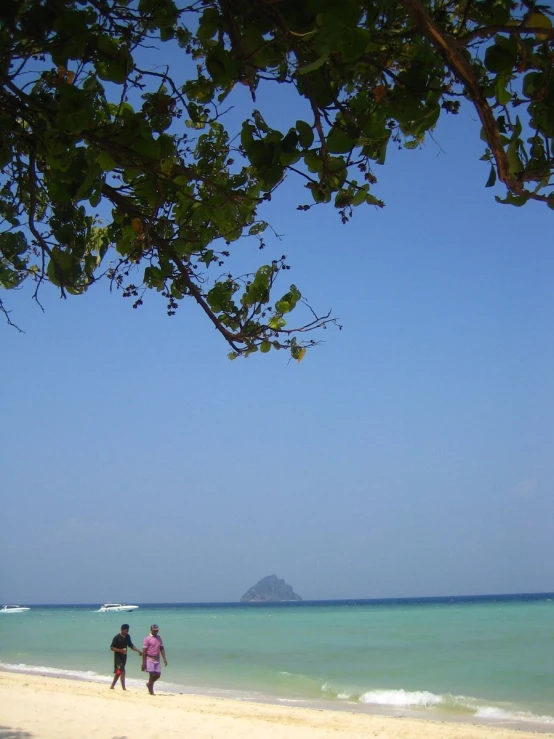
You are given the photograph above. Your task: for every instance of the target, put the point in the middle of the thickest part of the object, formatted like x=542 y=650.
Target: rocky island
x=270 y=589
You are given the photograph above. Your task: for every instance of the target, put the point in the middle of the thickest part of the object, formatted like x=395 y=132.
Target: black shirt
x=120 y=642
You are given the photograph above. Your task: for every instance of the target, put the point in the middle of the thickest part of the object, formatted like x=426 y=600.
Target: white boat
x=116 y=608
x=14 y=609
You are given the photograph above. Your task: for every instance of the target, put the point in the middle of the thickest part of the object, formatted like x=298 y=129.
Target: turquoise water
x=489 y=660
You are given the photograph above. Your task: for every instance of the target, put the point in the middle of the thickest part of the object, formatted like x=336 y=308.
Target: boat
x=14 y=609
x=116 y=608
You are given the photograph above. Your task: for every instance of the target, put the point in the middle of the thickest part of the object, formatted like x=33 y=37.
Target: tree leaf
x=539 y=20
x=305 y=134
x=492 y=177
x=499 y=59
x=339 y=142
x=319 y=62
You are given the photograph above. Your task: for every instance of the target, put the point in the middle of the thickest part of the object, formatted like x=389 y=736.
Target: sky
x=410 y=454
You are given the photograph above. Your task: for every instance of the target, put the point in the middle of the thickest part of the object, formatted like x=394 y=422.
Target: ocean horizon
x=303 y=602
x=483 y=658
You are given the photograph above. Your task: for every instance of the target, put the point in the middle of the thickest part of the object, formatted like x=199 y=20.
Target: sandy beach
x=53 y=708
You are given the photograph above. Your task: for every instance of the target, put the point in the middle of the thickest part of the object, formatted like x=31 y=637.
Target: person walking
x=120 y=642
x=152 y=648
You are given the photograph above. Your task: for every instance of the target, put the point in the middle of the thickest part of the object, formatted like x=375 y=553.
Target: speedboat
x=116 y=608
x=14 y=609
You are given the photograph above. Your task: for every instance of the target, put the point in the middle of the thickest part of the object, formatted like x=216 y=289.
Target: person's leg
x=153 y=677
x=115 y=679
x=123 y=680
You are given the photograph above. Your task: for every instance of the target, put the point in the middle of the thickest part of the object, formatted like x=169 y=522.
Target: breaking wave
x=448 y=704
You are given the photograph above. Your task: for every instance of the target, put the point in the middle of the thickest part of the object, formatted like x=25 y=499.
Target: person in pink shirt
x=152 y=648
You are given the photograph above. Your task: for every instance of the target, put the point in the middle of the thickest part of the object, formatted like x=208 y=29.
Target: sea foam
x=501 y=714
x=88 y=675
x=402 y=698
x=451 y=704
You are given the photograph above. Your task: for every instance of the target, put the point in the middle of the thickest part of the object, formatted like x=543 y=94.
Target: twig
x=9 y=321
x=511 y=30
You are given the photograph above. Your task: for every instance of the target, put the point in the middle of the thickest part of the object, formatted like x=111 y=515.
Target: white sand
x=53 y=708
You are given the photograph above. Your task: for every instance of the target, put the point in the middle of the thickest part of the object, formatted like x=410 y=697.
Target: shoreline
x=68 y=690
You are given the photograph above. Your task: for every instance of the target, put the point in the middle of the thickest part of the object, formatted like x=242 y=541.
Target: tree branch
x=510 y=30
x=9 y=321
x=165 y=247
x=453 y=54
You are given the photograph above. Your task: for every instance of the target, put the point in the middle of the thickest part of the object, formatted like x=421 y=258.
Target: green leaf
x=539 y=20
x=260 y=122
x=277 y=323
x=339 y=142
x=499 y=59
x=257 y=228
x=260 y=154
x=360 y=196
x=12 y=244
x=147 y=146
x=62 y=270
x=209 y=24
x=517 y=200
x=106 y=161
x=116 y=68
x=305 y=134
x=319 y=62
x=313 y=161
x=287 y=159
x=290 y=141
x=492 y=177
x=514 y=162
x=246 y=136
x=503 y=95
x=532 y=83
x=221 y=65
x=272 y=176
x=282 y=306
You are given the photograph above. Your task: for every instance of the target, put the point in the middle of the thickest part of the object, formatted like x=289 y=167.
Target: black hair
x=124 y=626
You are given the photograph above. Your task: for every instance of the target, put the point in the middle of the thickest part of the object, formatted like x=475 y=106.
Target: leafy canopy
x=113 y=167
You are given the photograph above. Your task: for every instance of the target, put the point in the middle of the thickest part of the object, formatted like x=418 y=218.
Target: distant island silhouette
x=270 y=589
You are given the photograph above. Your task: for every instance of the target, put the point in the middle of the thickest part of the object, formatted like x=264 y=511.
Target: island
x=270 y=589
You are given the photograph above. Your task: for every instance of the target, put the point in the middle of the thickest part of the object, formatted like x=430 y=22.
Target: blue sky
x=410 y=454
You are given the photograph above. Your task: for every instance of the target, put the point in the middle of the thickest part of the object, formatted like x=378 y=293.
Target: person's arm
x=162 y=651
x=132 y=646
x=144 y=650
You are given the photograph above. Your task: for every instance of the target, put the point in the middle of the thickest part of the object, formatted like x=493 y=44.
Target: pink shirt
x=153 y=645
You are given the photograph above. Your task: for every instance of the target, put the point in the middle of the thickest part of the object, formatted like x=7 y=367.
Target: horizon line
x=317 y=600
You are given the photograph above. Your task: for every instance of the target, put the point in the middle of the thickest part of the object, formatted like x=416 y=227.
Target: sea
x=486 y=659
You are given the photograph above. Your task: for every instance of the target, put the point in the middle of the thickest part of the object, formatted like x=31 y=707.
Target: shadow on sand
x=6 y=732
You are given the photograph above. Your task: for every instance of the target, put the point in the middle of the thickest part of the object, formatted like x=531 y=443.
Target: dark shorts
x=119 y=662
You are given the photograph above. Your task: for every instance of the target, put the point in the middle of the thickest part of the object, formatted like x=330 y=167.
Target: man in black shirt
x=120 y=642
